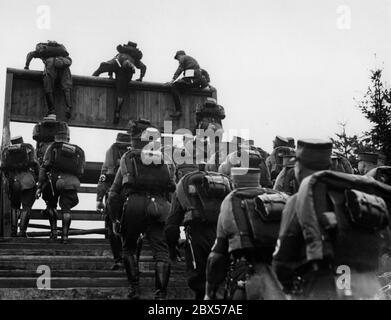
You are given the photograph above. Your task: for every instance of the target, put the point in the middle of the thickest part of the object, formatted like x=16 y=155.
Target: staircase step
x=75 y=282
x=80 y=269
x=88 y=293
x=71 y=262
x=83 y=273
x=94 y=241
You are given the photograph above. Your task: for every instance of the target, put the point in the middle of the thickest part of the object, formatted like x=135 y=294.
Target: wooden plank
x=95 y=99
x=71 y=232
x=42 y=226
x=86 y=190
x=85 y=215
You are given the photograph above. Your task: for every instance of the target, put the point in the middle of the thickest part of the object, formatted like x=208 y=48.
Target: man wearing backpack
x=367 y=161
x=108 y=171
x=57 y=63
x=335 y=225
x=196 y=204
x=44 y=133
x=274 y=161
x=247 y=230
x=209 y=115
x=63 y=165
x=145 y=181
x=247 y=157
x=123 y=65
x=286 y=180
x=21 y=169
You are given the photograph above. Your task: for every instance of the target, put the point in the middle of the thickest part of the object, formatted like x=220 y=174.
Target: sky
x=281 y=67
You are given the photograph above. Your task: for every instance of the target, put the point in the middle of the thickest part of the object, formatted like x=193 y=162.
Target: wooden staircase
x=78 y=270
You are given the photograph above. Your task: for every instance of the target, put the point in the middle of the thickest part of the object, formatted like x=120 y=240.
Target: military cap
x=61 y=136
x=291 y=142
x=17 y=140
x=50 y=117
x=280 y=141
x=368 y=157
x=245 y=177
x=178 y=53
x=314 y=154
x=132 y=44
x=250 y=142
x=123 y=138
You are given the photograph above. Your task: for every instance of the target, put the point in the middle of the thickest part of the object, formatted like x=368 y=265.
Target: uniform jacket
x=186 y=63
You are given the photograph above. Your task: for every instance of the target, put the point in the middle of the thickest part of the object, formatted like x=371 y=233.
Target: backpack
x=46 y=130
x=183 y=169
x=382 y=174
x=51 y=49
x=134 y=52
x=201 y=193
x=277 y=160
x=210 y=110
x=344 y=218
x=142 y=173
x=68 y=158
x=18 y=156
x=257 y=212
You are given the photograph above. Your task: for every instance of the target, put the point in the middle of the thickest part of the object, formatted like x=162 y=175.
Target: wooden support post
x=5 y=214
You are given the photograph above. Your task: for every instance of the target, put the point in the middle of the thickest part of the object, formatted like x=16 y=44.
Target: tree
x=376 y=106
x=351 y=146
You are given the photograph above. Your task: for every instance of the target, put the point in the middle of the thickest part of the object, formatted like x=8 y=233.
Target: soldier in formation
x=245 y=240
x=62 y=166
x=107 y=174
x=21 y=167
x=196 y=205
x=333 y=220
x=144 y=181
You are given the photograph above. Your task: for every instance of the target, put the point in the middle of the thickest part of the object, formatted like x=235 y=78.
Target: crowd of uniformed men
x=255 y=225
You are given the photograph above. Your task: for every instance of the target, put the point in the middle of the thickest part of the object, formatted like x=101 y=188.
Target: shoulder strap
x=241 y=219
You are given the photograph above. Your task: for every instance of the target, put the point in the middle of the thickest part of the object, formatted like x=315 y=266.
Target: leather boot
x=14 y=222
x=116 y=249
x=53 y=223
x=68 y=103
x=117 y=111
x=162 y=275
x=132 y=272
x=24 y=222
x=50 y=103
x=66 y=223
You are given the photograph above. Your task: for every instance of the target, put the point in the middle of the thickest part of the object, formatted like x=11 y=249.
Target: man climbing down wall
x=124 y=65
x=57 y=62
